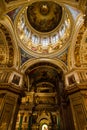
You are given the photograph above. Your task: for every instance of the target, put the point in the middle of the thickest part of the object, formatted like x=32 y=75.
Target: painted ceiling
x=44 y=28
x=44 y=74
x=44 y=16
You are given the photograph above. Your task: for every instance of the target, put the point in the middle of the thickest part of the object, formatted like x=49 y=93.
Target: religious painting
x=44 y=16
x=16 y=79
x=71 y=79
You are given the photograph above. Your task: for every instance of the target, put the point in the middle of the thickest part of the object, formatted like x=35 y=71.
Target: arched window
x=44 y=127
x=45 y=41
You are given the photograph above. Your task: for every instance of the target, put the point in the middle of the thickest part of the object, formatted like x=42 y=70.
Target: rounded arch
x=56 y=62
x=7 y=28
x=44 y=116
x=73 y=53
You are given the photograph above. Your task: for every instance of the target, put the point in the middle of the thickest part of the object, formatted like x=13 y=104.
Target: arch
x=44 y=115
x=56 y=62
x=74 y=50
x=7 y=28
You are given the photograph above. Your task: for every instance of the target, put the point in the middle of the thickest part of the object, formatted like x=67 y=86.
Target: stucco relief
x=79 y=50
x=8 y=50
x=83 y=50
x=3 y=50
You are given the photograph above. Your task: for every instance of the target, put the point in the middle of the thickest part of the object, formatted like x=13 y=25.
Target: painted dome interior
x=44 y=16
x=44 y=28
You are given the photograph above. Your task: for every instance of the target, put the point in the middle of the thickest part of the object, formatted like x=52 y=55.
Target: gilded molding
x=10 y=45
x=77 y=46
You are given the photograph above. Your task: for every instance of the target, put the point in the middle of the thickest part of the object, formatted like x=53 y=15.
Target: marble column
x=20 y=122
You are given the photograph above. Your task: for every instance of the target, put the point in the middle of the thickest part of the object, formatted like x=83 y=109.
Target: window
x=45 y=41
x=35 y=39
x=44 y=127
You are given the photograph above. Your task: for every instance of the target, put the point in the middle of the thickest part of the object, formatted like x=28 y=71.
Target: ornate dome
x=43 y=28
x=44 y=16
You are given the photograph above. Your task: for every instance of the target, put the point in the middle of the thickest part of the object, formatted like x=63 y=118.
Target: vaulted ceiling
x=32 y=29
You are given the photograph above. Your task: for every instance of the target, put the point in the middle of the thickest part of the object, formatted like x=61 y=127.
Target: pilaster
x=76 y=89
x=10 y=98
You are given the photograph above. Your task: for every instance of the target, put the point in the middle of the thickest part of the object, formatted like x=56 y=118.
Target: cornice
x=76 y=87
x=7 y=87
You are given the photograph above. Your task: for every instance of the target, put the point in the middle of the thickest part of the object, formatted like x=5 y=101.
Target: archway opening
x=44 y=127
x=45 y=103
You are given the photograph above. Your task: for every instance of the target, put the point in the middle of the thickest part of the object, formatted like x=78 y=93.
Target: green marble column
x=20 y=123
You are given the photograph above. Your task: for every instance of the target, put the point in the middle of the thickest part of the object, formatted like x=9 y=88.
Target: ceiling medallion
x=44 y=16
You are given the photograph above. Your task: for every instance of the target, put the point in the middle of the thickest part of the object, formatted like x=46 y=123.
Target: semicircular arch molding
x=74 y=50
x=44 y=116
x=7 y=28
x=56 y=62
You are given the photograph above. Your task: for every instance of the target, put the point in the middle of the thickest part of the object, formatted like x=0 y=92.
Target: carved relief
x=83 y=50
x=77 y=47
x=3 y=50
x=45 y=100
x=10 y=46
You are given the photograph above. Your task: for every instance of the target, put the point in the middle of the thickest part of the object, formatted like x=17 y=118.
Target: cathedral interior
x=43 y=64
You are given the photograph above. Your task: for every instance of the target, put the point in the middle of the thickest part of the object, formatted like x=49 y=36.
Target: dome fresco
x=44 y=16
x=43 y=28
